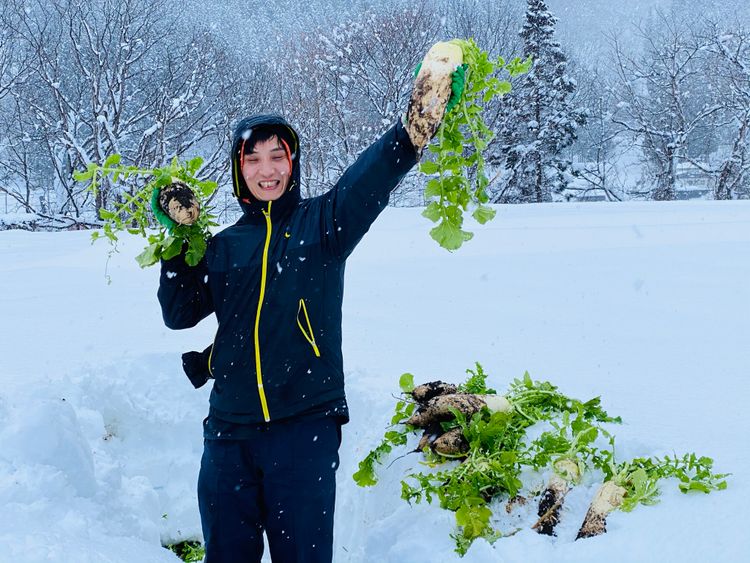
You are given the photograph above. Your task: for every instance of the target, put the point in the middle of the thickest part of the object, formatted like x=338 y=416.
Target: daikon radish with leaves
x=440 y=408
x=181 y=195
x=565 y=472
x=637 y=482
x=570 y=450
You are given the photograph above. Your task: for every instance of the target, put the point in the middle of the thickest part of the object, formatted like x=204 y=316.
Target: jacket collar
x=252 y=209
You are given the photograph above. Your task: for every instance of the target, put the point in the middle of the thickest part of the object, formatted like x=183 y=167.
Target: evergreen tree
x=540 y=117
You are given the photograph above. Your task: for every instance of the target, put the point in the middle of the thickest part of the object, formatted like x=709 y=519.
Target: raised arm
x=183 y=293
x=362 y=193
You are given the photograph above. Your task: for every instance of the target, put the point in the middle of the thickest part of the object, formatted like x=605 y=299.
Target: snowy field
x=645 y=304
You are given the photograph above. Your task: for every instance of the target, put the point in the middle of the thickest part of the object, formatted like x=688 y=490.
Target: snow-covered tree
x=597 y=150
x=730 y=61
x=540 y=117
x=664 y=101
x=345 y=84
x=14 y=69
x=117 y=76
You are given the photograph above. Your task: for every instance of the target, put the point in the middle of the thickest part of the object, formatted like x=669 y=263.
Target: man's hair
x=264 y=133
x=260 y=134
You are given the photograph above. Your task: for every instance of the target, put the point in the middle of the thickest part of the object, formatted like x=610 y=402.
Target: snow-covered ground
x=645 y=304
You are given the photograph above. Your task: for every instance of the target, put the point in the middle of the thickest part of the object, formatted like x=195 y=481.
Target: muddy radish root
x=426 y=391
x=438 y=409
x=451 y=444
x=426 y=440
x=607 y=498
x=565 y=472
x=432 y=89
x=550 y=505
x=430 y=434
x=179 y=202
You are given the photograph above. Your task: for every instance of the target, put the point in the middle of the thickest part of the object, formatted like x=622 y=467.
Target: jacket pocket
x=303 y=322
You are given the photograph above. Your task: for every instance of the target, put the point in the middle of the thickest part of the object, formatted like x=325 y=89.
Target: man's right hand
x=175 y=204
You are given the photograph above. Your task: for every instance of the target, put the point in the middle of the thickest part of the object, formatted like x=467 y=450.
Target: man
x=275 y=281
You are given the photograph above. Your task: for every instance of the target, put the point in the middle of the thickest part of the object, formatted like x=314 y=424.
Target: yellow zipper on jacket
x=309 y=336
x=263 y=274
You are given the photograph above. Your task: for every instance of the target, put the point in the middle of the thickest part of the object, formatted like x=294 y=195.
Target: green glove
x=159 y=213
x=457 y=85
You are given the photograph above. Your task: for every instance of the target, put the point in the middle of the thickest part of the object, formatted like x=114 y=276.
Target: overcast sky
x=583 y=24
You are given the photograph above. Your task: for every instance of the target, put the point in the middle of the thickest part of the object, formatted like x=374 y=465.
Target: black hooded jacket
x=282 y=357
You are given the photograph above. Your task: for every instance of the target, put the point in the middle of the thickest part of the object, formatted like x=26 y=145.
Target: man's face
x=266 y=170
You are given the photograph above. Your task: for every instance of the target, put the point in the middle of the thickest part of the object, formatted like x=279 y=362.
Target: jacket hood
x=243 y=132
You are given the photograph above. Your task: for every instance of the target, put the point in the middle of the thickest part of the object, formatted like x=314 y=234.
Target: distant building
x=692 y=183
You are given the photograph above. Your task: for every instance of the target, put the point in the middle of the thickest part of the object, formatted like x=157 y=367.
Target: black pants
x=281 y=481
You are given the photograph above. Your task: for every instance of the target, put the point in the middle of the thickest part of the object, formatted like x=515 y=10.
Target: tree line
x=83 y=79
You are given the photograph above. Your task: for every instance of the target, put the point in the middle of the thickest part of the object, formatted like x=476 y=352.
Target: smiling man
x=267 y=167
x=275 y=281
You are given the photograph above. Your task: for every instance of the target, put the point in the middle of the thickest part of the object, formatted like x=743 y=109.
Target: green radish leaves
x=460 y=183
x=365 y=475
x=640 y=477
x=476 y=382
x=132 y=211
x=406 y=383
x=501 y=457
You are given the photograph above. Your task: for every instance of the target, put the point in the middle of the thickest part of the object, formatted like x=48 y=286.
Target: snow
x=645 y=304
x=18 y=218
x=153 y=129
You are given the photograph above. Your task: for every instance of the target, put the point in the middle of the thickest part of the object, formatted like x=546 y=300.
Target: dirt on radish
x=607 y=498
x=426 y=391
x=179 y=202
x=440 y=409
